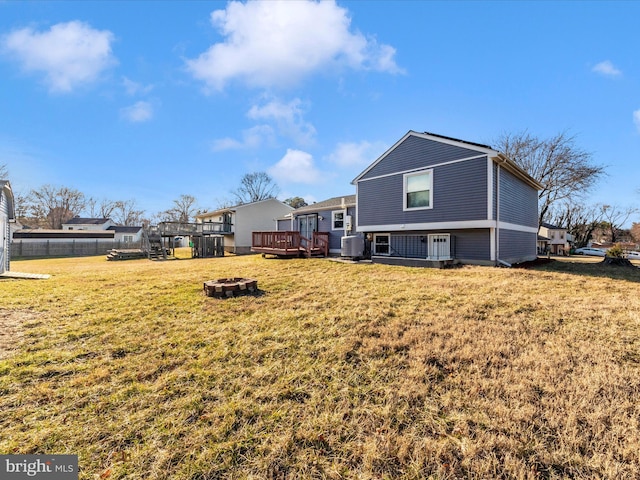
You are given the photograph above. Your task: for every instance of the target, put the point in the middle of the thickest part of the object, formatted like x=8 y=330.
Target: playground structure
x=205 y=239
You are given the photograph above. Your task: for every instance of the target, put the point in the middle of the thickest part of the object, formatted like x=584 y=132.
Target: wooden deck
x=290 y=244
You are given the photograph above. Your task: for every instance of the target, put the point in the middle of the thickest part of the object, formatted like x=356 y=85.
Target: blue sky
x=148 y=100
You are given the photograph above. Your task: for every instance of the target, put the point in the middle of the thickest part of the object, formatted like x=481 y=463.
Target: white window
x=127 y=238
x=338 y=219
x=381 y=243
x=418 y=190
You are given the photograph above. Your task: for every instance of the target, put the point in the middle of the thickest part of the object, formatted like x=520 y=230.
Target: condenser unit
x=352 y=246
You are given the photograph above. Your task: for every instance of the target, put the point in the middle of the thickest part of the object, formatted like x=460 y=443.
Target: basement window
x=381 y=242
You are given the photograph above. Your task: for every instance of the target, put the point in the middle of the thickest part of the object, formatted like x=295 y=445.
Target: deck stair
x=126 y=254
x=154 y=247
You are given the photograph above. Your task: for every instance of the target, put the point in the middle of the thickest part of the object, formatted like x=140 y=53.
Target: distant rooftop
x=334 y=202
x=86 y=221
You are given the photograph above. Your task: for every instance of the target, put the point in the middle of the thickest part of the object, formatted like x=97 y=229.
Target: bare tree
x=565 y=171
x=4 y=171
x=579 y=220
x=127 y=213
x=56 y=205
x=255 y=187
x=184 y=210
x=103 y=209
x=615 y=217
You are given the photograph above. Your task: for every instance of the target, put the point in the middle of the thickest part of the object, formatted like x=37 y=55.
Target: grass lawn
x=332 y=371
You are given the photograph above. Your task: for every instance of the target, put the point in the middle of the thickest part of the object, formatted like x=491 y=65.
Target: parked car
x=596 y=252
x=633 y=255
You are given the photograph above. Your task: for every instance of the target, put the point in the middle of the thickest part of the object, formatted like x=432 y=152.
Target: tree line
x=565 y=171
x=51 y=206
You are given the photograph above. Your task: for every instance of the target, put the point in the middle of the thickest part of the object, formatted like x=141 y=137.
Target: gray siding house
x=336 y=216
x=237 y=223
x=7 y=215
x=431 y=198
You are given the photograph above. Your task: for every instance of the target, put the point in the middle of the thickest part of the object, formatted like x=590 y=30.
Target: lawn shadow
x=590 y=269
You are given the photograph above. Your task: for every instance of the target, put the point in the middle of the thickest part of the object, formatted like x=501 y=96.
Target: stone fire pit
x=230 y=287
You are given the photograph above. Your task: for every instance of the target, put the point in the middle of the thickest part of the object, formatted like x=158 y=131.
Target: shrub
x=616 y=251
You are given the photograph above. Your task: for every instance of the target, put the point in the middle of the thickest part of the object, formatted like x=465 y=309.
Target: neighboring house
x=78 y=236
x=7 y=216
x=126 y=235
x=435 y=198
x=122 y=233
x=336 y=216
x=558 y=240
x=237 y=223
x=79 y=223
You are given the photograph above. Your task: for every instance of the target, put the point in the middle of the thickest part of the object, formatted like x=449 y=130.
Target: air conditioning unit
x=352 y=246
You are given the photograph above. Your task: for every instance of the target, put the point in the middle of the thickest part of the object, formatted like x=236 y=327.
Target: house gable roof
x=551 y=227
x=86 y=221
x=329 y=204
x=239 y=207
x=124 y=229
x=495 y=155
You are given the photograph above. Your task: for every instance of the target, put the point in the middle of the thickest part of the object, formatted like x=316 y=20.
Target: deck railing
x=188 y=228
x=290 y=242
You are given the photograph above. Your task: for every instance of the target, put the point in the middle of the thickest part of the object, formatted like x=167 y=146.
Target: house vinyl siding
x=324 y=223
x=284 y=225
x=469 y=245
x=518 y=201
x=516 y=246
x=416 y=153
x=459 y=194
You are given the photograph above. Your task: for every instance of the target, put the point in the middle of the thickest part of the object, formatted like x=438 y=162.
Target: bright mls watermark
x=49 y=467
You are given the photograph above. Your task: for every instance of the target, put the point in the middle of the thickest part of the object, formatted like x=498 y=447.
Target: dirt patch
x=12 y=330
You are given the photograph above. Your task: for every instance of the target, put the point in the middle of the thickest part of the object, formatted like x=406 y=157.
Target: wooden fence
x=74 y=248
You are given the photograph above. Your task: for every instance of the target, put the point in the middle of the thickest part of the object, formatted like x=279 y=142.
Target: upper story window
x=418 y=190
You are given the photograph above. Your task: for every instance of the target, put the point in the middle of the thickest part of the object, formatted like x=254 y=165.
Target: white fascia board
x=425 y=168
x=426 y=136
x=380 y=158
x=462 y=225
x=408 y=227
x=517 y=228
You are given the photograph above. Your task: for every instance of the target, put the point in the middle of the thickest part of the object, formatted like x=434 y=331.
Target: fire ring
x=230 y=287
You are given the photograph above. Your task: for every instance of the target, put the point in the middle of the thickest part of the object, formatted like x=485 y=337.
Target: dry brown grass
x=333 y=371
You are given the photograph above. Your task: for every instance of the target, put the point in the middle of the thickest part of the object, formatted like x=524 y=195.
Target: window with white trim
x=381 y=243
x=337 y=219
x=418 y=190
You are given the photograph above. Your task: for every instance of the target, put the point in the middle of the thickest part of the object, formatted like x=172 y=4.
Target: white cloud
x=69 y=54
x=138 y=112
x=356 y=154
x=288 y=118
x=277 y=43
x=254 y=137
x=636 y=119
x=607 y=69
x=134 y=88
x=295 y=167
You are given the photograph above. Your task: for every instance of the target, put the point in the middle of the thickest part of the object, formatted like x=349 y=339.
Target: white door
x=440 y=247
x=307 y=224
